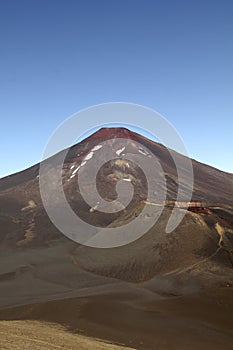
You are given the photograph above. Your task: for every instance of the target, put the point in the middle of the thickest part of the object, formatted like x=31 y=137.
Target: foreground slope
x=38 y=336
x=199 y=321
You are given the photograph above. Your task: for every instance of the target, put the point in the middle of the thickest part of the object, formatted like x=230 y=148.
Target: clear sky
x=57 y=57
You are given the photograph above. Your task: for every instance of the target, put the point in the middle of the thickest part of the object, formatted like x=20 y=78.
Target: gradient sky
x=57 y=57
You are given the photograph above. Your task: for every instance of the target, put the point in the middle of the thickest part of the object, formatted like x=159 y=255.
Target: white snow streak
x=89 y=156
x=75 y=171
x=119 y=151
x=143 y=152
x=97 y=147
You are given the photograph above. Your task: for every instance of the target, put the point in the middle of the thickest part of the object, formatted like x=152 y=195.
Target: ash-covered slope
x=204 y=236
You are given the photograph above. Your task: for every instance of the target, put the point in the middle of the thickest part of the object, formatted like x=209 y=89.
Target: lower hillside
x=36 y=335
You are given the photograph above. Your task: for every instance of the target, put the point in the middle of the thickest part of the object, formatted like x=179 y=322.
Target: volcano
x=46 y=276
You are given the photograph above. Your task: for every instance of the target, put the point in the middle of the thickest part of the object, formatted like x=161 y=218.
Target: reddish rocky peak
x=110 y=133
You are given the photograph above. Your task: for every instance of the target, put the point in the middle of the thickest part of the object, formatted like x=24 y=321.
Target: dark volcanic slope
x=204 y=232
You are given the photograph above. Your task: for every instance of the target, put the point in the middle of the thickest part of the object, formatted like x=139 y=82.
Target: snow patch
x=97 y=147
x=89 y=156
x=143 y=152
x=119 y=151
x=75 y=171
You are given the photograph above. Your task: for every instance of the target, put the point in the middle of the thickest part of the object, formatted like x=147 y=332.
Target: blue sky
x=58 y=57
